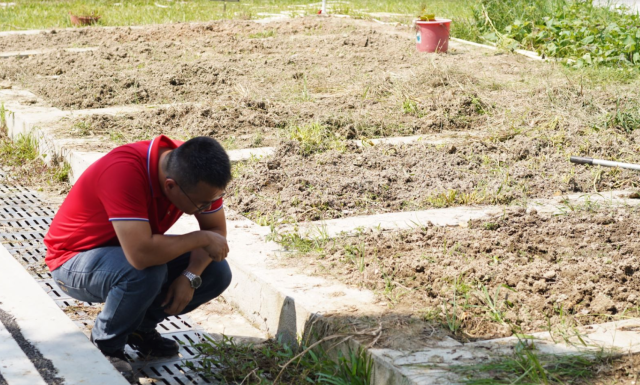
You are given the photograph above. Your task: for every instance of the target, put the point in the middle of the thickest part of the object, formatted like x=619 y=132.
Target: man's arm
x=142 y=248
x=214 y=222
x=180 y=292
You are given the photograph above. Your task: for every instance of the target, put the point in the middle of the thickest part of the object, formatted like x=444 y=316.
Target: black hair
x=201 y=159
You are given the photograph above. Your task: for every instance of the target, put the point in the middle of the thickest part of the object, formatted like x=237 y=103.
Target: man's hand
x=218 y=247
x=179 y=295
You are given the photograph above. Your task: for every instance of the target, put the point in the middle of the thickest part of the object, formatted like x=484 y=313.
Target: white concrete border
x=8 y=54
x=455 y=216
x=17 y=368
x=46 y=326
x=523 y=52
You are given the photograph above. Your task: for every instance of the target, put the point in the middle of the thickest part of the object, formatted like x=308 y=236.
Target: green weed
x=263 y=34
x=3 y=117
x=81 y=128
x=410 y=107
x=20 y=151
x=61 y=174
x=274 y=362
x=356 y=254
x=494 y=305
x=317 y=241
x=528 y=366
x=315 y=137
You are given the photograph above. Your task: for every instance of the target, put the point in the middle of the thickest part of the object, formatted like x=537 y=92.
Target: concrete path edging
x=49 y=330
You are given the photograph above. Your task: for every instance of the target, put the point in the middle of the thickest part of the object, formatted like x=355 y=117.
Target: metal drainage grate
x=24 y=222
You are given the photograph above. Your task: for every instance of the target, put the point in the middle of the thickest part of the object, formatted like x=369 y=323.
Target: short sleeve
x=216 y=205
x=124 y=192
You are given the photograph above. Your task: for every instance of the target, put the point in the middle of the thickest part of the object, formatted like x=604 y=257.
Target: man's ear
x=169 y=184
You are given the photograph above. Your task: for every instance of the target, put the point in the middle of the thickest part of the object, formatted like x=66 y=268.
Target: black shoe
x=120 y=362
x=153 y=344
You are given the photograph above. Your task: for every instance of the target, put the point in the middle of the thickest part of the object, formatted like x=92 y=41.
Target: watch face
x=196 y=282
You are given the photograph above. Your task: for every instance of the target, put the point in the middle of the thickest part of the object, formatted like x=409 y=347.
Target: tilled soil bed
x=341 y=73
x=385 y=178
x=237 y=127
x=520 y=271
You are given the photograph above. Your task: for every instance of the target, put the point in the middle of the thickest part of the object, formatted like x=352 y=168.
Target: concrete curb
x=529 y=54
x=50 y=331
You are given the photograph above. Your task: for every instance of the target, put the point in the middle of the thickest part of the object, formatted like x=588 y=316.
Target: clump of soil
x=536 y=272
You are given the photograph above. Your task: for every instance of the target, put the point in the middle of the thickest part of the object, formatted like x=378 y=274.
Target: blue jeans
x=131 y=297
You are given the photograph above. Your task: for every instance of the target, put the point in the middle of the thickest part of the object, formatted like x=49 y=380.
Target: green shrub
x=577 y=32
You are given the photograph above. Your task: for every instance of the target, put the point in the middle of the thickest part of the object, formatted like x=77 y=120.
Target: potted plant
x=84 y=16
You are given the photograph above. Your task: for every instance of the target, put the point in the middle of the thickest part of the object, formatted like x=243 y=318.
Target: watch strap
x=191 y=277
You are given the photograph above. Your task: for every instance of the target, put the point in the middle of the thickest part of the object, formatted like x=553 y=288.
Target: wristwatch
x=195 y=280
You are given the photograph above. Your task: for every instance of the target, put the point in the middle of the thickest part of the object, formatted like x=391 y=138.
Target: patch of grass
x=528 y=366
x=35 y=14
x=81 y=128
x=317 y=241
x=263 y=34
x=3 y=117
x=19 y=152
x=61 y=173
x=410 y=107
x=625 y=117
x=21 y=162
x=274 y=362
x=314 y=138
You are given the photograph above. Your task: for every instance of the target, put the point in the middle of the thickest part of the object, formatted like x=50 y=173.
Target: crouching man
x=107 y=243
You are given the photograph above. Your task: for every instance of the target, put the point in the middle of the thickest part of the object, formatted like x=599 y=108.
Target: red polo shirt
x=121 y=186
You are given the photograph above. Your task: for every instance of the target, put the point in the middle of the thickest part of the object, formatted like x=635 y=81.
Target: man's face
x=192 y=201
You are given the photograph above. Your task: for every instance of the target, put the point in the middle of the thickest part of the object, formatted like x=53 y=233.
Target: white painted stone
x=33 y=52
x=248 y=153
x=455 y=216
x=15 y=366
x=80 y=161
x=529 y=54
x=38 y=31
x=46 y=326
x=440 y=138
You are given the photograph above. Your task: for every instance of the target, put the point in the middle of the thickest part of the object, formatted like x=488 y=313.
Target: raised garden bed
x=518 y=272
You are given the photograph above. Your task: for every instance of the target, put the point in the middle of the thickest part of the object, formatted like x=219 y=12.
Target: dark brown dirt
x=540 y=272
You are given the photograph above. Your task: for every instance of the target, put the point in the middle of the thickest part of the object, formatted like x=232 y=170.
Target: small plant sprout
x=426 y=15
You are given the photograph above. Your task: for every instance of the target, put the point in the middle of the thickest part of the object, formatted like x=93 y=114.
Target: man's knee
x=150 y=279
x=218 y=277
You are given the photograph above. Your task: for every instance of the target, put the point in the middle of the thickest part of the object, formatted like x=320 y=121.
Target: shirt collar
x=153 y=161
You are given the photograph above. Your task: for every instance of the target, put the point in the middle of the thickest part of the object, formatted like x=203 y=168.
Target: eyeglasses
x=202 y=208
